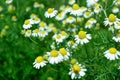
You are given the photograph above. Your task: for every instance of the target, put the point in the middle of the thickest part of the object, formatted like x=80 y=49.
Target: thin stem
x=33 y=40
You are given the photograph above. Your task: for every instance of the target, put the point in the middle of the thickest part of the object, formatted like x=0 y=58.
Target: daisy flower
x=36 y=5
x=64 y=53
x=28 y=33
x=77 y=71
x=97 y=9
x=27 y=24
x=112 y=19
x=36 y=20
x=117 y=2
x=112 y=53
x=91 y=2
x=88 y=14
x=43 y=25
x=82 y=37
x=88 y=24
x=60 y=16
x=115 y=9
x=70 y=19
x=43 y=33
x=36 y=32
x=39 y=62
x=71 y=44
x=50 y=13
x=76 y=11
x=33 y=16
x=8 y=1
x=54 y=57
x=117 y=25
x=64 y=34
x=67 y=9
x=58 y=38
x=71 y=2
x=117 y=38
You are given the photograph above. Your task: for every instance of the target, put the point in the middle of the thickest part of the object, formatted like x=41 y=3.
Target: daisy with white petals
x=117 y=37
x=50 y=13
x=28 y=33
x=70 y=19
x=76 y=11
x=64 y=53
x=54 y=57
x=58 y=38
x=82 y=37
x=112 y=19
x=77 y=71
x=112 y=53
x=39 y=62
x=27 y=24
x=71 y=2
x=8 y=1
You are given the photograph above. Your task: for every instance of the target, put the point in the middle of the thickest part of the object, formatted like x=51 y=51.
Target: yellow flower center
x=60 y=14
x=82 y=34
x=76 y=68
x=28 y=31
x=87 y=13
x=118 y=35
x=112 y=50
x=27 y=22
x=63 y=51
x=54 y=53
x=58 y=36
x=36 y=30
x=75 y=6
x=112 y=18
x=88 y=23
x=50 y=10
x=64 y=33
x=118 y=24
x=43 y=32
x=70 y=17
x=36 y=18
x=39 y=59
x=42 y=24
x=71 y=42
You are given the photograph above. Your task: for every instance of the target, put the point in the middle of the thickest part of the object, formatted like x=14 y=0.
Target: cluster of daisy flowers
x=75 y=24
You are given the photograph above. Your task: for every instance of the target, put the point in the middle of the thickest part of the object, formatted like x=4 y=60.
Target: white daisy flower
x=27 y=24
x=112 y=19
x=117 y=25
x=88 y=24
x=64 y=53
x=70 y=19
x=43 y=25
x=43 y=33
x=91 y=2
x=71 y=44
x=58 y=38
x=112 y=53
x=71 y=2
x=88 y=14
x=117 y=37
x=33 y=16
x=39 y=62
x=64 y=34
x=36 y=20
x=60 y=16
x=50 y=27
x=36 y=5
x=36 y=33
x=77 y=71
x=97 y=10
x=92 y=20
x=83 y=9
x=82 y=37
x=67 y=9
x=115 y=9
x=54 y=57
x=50 y=13
x=8 y=1
x=28 y=33
x=76 y=11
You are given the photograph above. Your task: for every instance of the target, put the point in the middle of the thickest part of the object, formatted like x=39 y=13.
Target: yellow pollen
x=63 y=51
x=54 y=53
x=87 y=13
x=92 y=19
x=118 y=24
x=76 y=68
x=43 y=32
x=82 y=34
x=112 y=50
x=118 y=35
x=36 y=30
x=112 y=18
x=42 y=24
x=58 y=36
x=36 y=18
x=28 y=31
x=60 y=14
x=50 y=10
x=88 y=23
x=71 y=42
x=70 y=17
x=73 y=61
x=39 y=59
x=75 y=6
x=64 y=33
x=27 y=22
